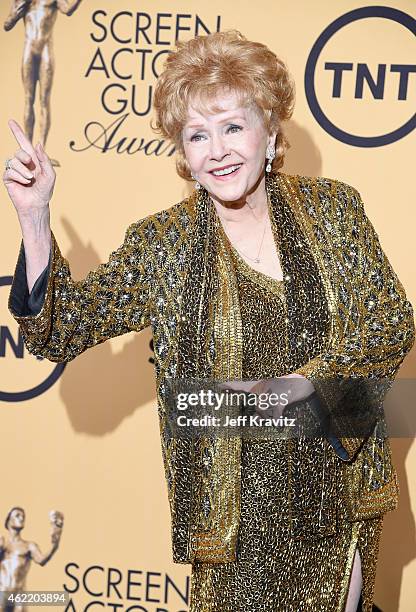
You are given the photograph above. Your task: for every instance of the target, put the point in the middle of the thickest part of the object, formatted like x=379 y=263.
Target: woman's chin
x=227 y=192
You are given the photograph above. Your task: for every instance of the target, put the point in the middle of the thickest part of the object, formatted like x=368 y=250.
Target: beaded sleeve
x=75 y=315
x=378 y=328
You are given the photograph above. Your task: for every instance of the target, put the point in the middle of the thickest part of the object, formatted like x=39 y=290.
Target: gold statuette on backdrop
x=38 y=64
x=16 y=553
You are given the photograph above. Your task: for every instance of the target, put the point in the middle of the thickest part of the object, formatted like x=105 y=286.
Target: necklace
x=257 y=258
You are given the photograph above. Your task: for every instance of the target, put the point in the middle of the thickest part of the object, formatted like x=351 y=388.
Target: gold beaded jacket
x=347 y=316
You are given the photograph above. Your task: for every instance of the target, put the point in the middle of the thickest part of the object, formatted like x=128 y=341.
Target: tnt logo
x=23 y=376
x=359 y=77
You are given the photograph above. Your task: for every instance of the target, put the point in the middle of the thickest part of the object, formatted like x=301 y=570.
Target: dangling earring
x=197 y=183
x=270 y=155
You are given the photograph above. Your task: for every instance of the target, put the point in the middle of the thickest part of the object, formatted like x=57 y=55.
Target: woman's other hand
x=296 y=386
x=290 y=388
x=30 y=178
x=283 y=390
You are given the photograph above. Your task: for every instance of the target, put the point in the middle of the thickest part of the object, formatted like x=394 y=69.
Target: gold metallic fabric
x=274 y=572
x=347 y=315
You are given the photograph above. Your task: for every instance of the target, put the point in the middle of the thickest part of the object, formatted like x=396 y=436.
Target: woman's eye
x=234 y=127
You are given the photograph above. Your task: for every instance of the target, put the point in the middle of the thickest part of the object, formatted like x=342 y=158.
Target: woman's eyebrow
x=199 y=125
x=193 y=125
x=240 y=117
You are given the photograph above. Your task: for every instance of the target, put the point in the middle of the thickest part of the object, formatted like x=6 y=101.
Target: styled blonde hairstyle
x=223 y=62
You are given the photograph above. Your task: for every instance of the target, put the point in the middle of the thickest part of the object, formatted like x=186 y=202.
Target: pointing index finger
x=23 y=140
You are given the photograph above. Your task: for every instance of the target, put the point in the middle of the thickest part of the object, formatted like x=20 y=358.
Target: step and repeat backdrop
x=80 y=451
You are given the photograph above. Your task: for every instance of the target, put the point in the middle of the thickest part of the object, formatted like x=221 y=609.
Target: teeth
x=226 y=170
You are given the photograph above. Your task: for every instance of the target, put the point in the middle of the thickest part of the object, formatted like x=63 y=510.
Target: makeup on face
x=226 y=150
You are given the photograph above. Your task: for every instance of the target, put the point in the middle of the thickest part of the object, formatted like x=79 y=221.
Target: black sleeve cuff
x=22 y=303
x=323 y=419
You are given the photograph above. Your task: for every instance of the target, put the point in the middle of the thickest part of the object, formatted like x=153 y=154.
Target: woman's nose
x=218 y=147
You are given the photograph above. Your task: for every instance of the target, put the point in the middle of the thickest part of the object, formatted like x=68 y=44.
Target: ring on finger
x=8 y=164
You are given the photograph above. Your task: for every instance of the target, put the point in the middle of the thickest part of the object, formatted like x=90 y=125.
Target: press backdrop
x=84 y=439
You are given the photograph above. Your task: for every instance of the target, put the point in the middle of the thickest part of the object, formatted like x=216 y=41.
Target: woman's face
x=233 y=139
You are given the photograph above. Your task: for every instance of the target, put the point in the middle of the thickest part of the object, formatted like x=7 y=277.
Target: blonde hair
x=206 y=66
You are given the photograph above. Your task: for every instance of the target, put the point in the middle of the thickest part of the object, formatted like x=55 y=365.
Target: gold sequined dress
x=274 y=572
x=353 y=320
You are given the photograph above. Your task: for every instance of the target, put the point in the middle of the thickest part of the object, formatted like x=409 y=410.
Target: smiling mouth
x=226 y=171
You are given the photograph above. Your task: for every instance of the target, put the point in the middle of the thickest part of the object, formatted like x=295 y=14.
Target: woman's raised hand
x=30 y=177
x=29 y=180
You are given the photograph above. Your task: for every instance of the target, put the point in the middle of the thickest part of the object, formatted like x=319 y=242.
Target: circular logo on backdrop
x=41 y=374
x=353 y=88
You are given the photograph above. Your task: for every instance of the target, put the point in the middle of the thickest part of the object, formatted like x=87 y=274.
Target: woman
x=256 y=275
